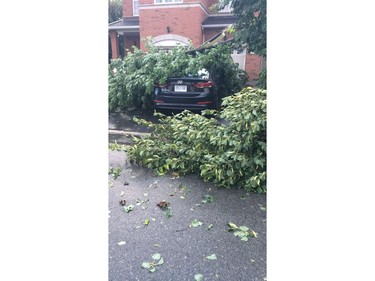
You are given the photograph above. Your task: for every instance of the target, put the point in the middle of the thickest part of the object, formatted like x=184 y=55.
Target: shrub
x=131 y=79
x=230 y=152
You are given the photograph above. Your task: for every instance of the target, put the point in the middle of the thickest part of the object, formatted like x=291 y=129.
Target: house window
x=167 y=1
x=135 y=7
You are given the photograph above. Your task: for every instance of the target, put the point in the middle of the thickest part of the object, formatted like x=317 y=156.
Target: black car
x=195 y=92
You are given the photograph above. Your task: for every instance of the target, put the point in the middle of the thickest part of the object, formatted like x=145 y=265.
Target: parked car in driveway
x=192 y=92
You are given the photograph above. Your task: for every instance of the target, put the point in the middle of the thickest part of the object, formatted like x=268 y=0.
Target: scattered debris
x=212 y=257
x=173 y=193
x=139 y=201
x=244 y=197
x=126 y=183
x=261 y=207
x=242 y=231
x=121 y=243
x=207 y=199
x=198 y=277
x=123 y=202
x=115 y=172
x=129 y=208
x=168 y=212
x=184 y=190
x=154 y=184
x=196 y=223
x=163 y=204
x=157 y=259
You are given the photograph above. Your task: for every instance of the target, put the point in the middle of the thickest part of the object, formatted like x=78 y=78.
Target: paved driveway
x=135 y=236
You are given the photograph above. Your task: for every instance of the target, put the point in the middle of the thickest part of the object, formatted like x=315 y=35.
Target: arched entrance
x=170 y=41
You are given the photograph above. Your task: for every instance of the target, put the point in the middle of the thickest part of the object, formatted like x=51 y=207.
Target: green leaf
x=210 y=226
x=152 y=269
x=156 y=256
x=196 y=223
x=198 y=277
x=232 y=226
x=168 y=213
x=146 y=265
x=161 y=261
x=212 y=257
x=244 y=228
x=207 y=199
x=129 y=208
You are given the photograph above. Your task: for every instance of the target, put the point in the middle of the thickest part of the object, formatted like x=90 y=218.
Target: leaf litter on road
x=243 y=232
x=157 y=259
x=198 y=277
x=129 y=208
x=196 y=223
x=211 y=257
x=207 y=199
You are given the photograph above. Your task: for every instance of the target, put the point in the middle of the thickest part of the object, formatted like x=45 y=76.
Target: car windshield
x=202 y=73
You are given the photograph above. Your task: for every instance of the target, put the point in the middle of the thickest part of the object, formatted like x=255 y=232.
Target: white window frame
x=167 y=1
x=135 y=11
x=227 y=8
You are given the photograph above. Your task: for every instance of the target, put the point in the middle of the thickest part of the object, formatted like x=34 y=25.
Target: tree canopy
x=251 y=27
x=114 y=10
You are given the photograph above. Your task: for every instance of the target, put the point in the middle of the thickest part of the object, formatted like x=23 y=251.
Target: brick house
x=173 y=22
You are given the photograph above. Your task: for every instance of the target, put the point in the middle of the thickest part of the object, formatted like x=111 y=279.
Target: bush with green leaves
x=227 y=147
x=131 y=80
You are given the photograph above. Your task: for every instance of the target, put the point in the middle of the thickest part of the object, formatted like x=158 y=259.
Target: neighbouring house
x=175 y=22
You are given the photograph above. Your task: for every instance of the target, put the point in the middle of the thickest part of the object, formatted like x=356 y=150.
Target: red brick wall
x=127 y=8
x=182 y=21
x=206 y=3
x=253 y=66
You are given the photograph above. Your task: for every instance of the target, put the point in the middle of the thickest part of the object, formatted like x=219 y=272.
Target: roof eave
x=215 y=25
x=123 y=27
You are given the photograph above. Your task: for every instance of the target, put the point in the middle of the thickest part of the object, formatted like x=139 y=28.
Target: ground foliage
x=230 y=152
x=132 y=79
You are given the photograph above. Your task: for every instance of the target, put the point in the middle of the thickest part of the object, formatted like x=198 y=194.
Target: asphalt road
x=184 y=248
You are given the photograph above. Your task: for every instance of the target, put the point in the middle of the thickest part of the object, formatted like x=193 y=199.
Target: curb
x=128 y=133
x=124 y=137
